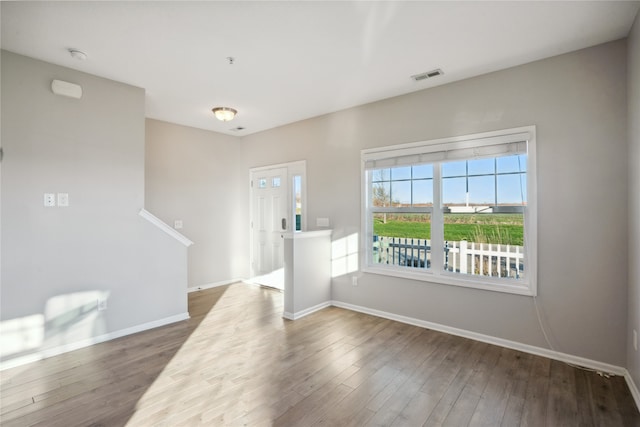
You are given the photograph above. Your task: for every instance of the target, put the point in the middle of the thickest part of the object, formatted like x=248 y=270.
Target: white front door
x=270 y=218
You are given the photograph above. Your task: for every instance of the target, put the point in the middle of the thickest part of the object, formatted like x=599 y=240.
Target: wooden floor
x=237 y=362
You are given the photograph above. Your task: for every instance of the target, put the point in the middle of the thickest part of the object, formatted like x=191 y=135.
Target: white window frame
x=437 y=152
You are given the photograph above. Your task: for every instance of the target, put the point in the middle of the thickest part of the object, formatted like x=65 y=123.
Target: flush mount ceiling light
x=224 y=113
x=77 y=54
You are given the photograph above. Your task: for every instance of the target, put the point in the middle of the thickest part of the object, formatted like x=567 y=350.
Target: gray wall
x=195 y=176
x=56 y=260
x=633 y=356
x=578 y=103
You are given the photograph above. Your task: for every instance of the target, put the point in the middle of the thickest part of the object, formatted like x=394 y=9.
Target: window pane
x=400 y=193
x=484 y=244
x=454 y=169
x=297 y=191
x=481 y=166
x=474 y=201
x=454 y=191
x=262 y=183
x=380 y=192
x=512 y=189
x=482 y=190
x=402 y=240
x=275 y=182
x=401 y=173
x=517 y=163
x=380 y=175
x=423 y=171
x=423 y=192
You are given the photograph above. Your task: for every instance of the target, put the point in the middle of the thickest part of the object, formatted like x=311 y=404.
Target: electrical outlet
x=49 y=200
x=102 y=304
x=354 y=280
x=635 y=340
x=177 y=224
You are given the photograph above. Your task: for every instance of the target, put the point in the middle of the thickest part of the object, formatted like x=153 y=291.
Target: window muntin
x=407 y=186
x=476 y=236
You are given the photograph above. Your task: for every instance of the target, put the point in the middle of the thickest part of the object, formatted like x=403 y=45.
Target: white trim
x=306 y=311
x=298 y=163
x=526 y=348
x=633 y=388
x=213 y=285
x=520 y=287
x=436 y=274
x=297 y=167
x=164 y=227
x=57 y=350
x=307 y=234
x=451 y=143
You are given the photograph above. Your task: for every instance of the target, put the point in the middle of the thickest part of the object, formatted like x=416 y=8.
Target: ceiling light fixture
x=224 y=113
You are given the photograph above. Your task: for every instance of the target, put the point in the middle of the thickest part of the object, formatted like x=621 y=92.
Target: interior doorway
x=277 y=206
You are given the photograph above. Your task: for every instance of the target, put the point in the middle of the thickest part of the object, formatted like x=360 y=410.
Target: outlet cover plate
x=63 y=199
x=49 y=200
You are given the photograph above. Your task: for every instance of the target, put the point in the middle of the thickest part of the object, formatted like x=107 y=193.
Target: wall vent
x=427 y=75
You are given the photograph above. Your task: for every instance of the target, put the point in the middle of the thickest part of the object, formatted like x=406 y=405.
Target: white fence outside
x=483 y=259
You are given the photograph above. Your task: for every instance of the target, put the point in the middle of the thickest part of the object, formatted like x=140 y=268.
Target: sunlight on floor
x=212 y=364
x=275 y=279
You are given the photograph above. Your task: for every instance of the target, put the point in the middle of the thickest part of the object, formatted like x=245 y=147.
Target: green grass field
x=506 y=229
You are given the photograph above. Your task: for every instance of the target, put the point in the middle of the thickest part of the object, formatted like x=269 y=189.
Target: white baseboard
x=57 y=350
x=212 y=285
x=633 y=388
x=604 y=368
x=526 y=348
x=306 y=311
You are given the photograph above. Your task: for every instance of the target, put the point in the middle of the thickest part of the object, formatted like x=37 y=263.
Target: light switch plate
x=322 y=222
x=63 y=199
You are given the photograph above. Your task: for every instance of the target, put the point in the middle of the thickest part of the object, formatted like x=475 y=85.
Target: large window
x=457 y=211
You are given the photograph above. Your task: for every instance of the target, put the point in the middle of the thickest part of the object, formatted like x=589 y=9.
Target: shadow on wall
x=66 y=319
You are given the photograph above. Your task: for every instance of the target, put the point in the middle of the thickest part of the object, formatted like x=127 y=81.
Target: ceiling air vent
x=427 y=75
x=238 y=129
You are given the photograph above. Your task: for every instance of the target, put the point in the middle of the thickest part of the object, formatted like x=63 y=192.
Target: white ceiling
x=296 y=60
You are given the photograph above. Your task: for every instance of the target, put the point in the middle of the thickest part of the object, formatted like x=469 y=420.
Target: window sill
x=473 y=282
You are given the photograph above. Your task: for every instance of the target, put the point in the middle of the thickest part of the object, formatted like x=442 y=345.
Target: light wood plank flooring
x=237 y=362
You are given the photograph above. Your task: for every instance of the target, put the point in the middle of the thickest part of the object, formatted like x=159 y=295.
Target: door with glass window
x=270 y=218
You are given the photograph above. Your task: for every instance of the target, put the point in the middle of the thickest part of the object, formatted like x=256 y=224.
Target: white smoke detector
x=77 y=54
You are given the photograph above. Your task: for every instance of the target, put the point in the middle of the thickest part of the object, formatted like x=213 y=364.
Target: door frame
x=296 y=168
